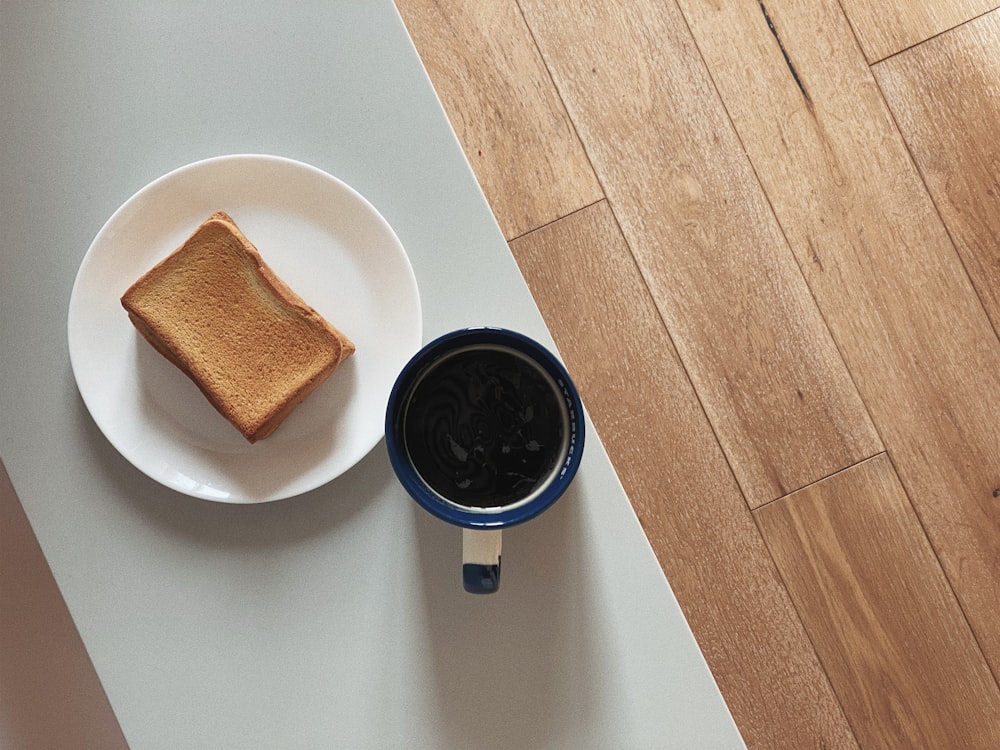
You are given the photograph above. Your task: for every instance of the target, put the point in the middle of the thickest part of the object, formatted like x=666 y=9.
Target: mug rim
x=473 y=518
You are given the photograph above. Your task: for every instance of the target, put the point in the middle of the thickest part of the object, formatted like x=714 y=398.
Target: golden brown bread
x=251 y=344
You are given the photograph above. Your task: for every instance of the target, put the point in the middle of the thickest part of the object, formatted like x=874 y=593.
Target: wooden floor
x=766 y=238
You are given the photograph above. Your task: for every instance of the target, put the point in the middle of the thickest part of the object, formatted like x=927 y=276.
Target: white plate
x=329 y=245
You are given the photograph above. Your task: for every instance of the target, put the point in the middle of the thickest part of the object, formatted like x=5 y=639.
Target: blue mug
x=485 y=430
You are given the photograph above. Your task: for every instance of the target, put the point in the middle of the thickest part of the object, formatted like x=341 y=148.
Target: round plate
x=329 y=245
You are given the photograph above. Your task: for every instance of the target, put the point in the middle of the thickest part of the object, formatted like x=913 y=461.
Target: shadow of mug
x=485 y=430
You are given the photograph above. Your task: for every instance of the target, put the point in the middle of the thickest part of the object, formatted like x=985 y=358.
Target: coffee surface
x=485 y=427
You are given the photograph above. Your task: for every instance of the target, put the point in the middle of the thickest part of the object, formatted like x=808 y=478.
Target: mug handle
x=481 y=560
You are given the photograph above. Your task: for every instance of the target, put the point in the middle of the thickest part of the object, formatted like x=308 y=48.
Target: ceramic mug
x=485 y=430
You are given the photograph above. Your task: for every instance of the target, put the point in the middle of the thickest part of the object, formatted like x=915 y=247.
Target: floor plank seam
x=680 y=359
x=872 y=63
x=943 y=570
x=930 y=195
x=854 y=32
x=562 y=101
x=832 y=474
x=770 y=203
x=798 y=616
x=546 y=224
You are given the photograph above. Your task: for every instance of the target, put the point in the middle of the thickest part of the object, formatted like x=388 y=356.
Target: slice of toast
x=251 y=344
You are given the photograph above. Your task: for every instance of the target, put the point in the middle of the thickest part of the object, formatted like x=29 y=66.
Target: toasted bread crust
x=220 y=314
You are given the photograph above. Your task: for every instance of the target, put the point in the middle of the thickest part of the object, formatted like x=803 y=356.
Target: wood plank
x=945 y=96
x=50 y=695
x=881 y=265
x=504 y=109
x=676 y=476
x=710 y=250
x=879 y=610
x=885 y=27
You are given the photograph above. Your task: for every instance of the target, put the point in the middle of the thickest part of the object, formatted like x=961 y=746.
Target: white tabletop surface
x=335 y=618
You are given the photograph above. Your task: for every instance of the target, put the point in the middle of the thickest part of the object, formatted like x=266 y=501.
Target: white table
x=334 y=619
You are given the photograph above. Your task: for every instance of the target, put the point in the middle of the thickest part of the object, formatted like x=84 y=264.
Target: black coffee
x=485 y=427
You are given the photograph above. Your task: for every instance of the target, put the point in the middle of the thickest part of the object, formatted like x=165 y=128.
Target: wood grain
x=50 y=695
x=945 y=96
x=881 y=265
x=504 y=109
x=890 y=285
x=879 y=610
x=673 y=470
x=885 y=27
x=714 y=258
